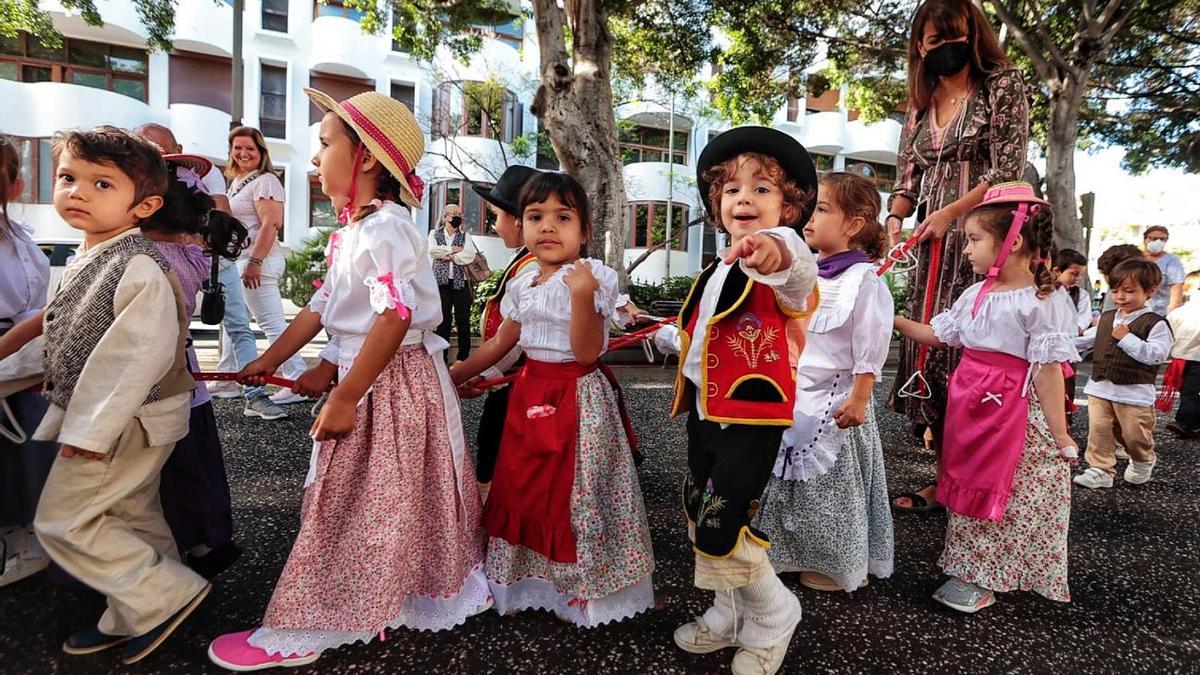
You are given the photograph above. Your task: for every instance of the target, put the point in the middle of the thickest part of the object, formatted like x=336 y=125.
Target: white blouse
x=375 y=265
x=1014 y=322
x=244 y=196
x=848 y=335
x=24 y=274
x=544 y=310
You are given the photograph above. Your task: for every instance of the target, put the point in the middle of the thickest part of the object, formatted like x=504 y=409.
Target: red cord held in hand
x=232 y=377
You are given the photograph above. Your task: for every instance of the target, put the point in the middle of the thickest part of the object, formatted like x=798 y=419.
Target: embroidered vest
x=490 y=319
x=749 y=349
x=82 y=313
x=1110 y=362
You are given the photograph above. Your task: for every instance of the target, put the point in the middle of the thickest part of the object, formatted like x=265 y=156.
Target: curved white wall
x=42 y=108
x=204 y=26
x=121 y=22
x=876 y=142
x=651 y=181
x=200 y=129
x=824 y=132
x=340 y=47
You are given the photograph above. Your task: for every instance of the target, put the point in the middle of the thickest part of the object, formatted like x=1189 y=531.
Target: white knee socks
x=769 y=611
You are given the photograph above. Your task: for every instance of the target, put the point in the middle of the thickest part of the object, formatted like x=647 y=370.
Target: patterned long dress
x=986 y=142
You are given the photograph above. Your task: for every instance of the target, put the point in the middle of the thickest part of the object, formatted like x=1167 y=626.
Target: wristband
x=256 y=261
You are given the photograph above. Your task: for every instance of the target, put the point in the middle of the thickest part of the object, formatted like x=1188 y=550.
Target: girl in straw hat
x=389 y=530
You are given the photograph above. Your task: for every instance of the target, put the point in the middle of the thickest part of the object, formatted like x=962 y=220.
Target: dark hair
x=1037 y=235
x=10 y=171
x=856 y=196
x=568 y=190
x=1155 y=228
x=264 y=156
x=795 y=196
x=387 y=187
x=187 y=210
x=137 y=158
x=1067 y=257
x=1117 y=254
x=952 y=18
x=1143 y=272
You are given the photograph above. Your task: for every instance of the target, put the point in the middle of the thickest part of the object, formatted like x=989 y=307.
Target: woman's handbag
x=477 y=270
x=212 y=305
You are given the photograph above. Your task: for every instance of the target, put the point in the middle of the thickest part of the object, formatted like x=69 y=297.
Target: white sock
x=722 y=617
x=769 y=611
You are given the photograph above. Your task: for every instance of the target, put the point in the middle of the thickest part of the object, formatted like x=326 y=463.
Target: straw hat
x=389 y=130
x=1017 y=192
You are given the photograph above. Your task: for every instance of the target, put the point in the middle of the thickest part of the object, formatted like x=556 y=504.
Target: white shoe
x=19 y=564
x=224 y=389
x=761 y=660
x=286 y=396
x=1121 y=454
x=697 y=638
x=1139 y=472
x=1095 y=478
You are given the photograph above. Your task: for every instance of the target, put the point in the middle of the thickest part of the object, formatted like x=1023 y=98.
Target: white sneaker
x=761 y=660
x=1139 y=472
x=224 y=389
x=286 y=396
x=23 y=563
x=1095 y=478
x=697 y=638
x=1121 y=454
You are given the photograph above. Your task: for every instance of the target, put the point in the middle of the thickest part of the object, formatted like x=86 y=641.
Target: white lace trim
x=418 y=612
x=837 y=298
x=389 y=293
x=1052 y=348
x=538 y=593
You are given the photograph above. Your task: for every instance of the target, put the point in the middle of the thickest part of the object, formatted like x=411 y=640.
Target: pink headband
x=410 y=175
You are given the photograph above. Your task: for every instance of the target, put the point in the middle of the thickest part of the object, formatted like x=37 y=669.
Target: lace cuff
x=388 y=293
x=945 y=328
x=319 y=299
x=1052 y=348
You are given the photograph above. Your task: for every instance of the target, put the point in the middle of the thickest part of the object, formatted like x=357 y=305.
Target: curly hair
x=1114 y=255
x=139 y=159
x=797 y=198
x=186 y=210
x=1037 y=237
x=856 y=196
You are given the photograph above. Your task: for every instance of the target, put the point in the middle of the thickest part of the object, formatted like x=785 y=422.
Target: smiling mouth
x=745 y=218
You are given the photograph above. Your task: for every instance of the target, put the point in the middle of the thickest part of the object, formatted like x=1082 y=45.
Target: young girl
x=24 y=462
x=389 y=531
x=194 y=489
x=565 y=513
x=826 y=505
x=1004 y=474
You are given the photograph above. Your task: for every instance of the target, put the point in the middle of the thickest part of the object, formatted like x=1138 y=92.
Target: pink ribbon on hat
x=410 y=175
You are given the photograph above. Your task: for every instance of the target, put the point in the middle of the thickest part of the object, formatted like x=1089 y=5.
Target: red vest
x=750 y=349
x=490 y=319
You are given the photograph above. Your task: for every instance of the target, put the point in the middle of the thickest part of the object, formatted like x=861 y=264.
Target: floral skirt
x=610 y=580
x=838 y=523
x=389 y=530
x=1027 y=550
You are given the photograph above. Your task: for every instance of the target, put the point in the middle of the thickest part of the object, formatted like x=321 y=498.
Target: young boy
x=1130 y=343
x=1069 y=267
x=118 y=385
x=740 y=335
x=1185 y=324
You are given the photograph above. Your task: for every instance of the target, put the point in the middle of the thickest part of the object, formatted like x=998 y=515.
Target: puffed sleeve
x=872 y=317
x=267 y=186
x=1008 y=127
x=793 y=284
x=908 y=172
x=606 y=295
x=947 y=325
x=394 y=263
x=320 y=299
x=510 y=304
x=1049 y=342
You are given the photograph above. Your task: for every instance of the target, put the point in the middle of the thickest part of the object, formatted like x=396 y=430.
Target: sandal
x=917 y=503
x=822 y=582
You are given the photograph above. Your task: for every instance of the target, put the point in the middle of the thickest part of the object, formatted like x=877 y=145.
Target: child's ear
x=146 y=208
x=791 y=214
x=857 y=223
x=369 y=162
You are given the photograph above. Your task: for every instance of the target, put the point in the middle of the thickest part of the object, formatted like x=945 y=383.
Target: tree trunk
x=574 y=106
x=1065 y=99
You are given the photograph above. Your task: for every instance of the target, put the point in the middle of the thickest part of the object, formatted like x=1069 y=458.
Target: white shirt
x=214 y=181
x=1152 y=351
x=463 y=257
x=24 y=273
x=1185 y=324
x=1083 y=310
x=1067 y=310
x=243 y=200
x=375 y=264
x=544 y=310
x=1014 y=322
x=1173 y=273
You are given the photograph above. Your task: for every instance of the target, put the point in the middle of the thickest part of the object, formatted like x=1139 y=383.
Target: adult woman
x=256 y=199
x=1169 y=294
x=966 y=129
x=451 y=248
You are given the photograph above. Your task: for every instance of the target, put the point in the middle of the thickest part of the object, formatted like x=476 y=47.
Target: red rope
x=935 y=262
x=232 y=377
x=904 y=249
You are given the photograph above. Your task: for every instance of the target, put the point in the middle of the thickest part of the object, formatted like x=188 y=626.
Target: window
x=884 y=175
x=272 y=114
x=406 y=94
x=123 y=70
x=201 y=79
x=340 y=88
x=510 y=33
x=320 y=208
x=37 y=170
x=793 y=109
x=335 y=8
x=477 y=218
x=477 y=109
x=650 y=144
x=648 y=225
x=822 y=162
x=275 y=15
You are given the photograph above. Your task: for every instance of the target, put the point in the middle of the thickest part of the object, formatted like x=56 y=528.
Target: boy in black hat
x=740 y=332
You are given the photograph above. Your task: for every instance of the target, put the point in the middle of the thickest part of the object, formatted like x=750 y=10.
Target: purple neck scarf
x=830 y=267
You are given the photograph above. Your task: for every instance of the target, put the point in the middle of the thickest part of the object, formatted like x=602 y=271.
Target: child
x=118 y=384
x=826 y=505
x=1185 y=324
x=194 y=489
x=565 y=513
x=1130 y=343
x=389 y=530
x=1004 y=474
x=24 y=463
x=737 y=381
x=1069 y=267
x=1112 y=256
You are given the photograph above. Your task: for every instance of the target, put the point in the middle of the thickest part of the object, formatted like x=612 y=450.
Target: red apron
x=981 y=450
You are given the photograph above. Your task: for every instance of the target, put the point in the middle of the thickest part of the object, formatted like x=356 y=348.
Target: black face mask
x=456 y=221
x=947 y=58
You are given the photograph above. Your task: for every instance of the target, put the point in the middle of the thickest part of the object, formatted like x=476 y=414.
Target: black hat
x=504 y=193
x=792 y=157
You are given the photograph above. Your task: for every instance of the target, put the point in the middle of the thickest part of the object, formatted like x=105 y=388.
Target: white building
x=105 y=75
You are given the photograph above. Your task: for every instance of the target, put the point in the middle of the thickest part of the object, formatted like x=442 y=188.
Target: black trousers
x=728 y=470
x=491 y=428
x=456 y=306
x=1188 y=415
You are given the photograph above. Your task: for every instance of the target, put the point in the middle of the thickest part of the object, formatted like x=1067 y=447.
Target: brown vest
x=1110 y=362
x=83 y=312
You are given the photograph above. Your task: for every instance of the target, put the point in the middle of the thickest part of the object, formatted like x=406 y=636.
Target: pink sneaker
x=233 y=651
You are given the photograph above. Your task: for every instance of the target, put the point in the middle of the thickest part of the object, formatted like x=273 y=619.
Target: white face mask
x=1157 y=246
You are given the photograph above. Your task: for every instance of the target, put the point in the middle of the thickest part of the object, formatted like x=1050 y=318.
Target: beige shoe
x=697 y=638
x=761 y=660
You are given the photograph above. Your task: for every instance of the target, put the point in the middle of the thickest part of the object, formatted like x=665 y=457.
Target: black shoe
x=141 y=646
x=1182 y=431
x=90 y=640
x=215 y=561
